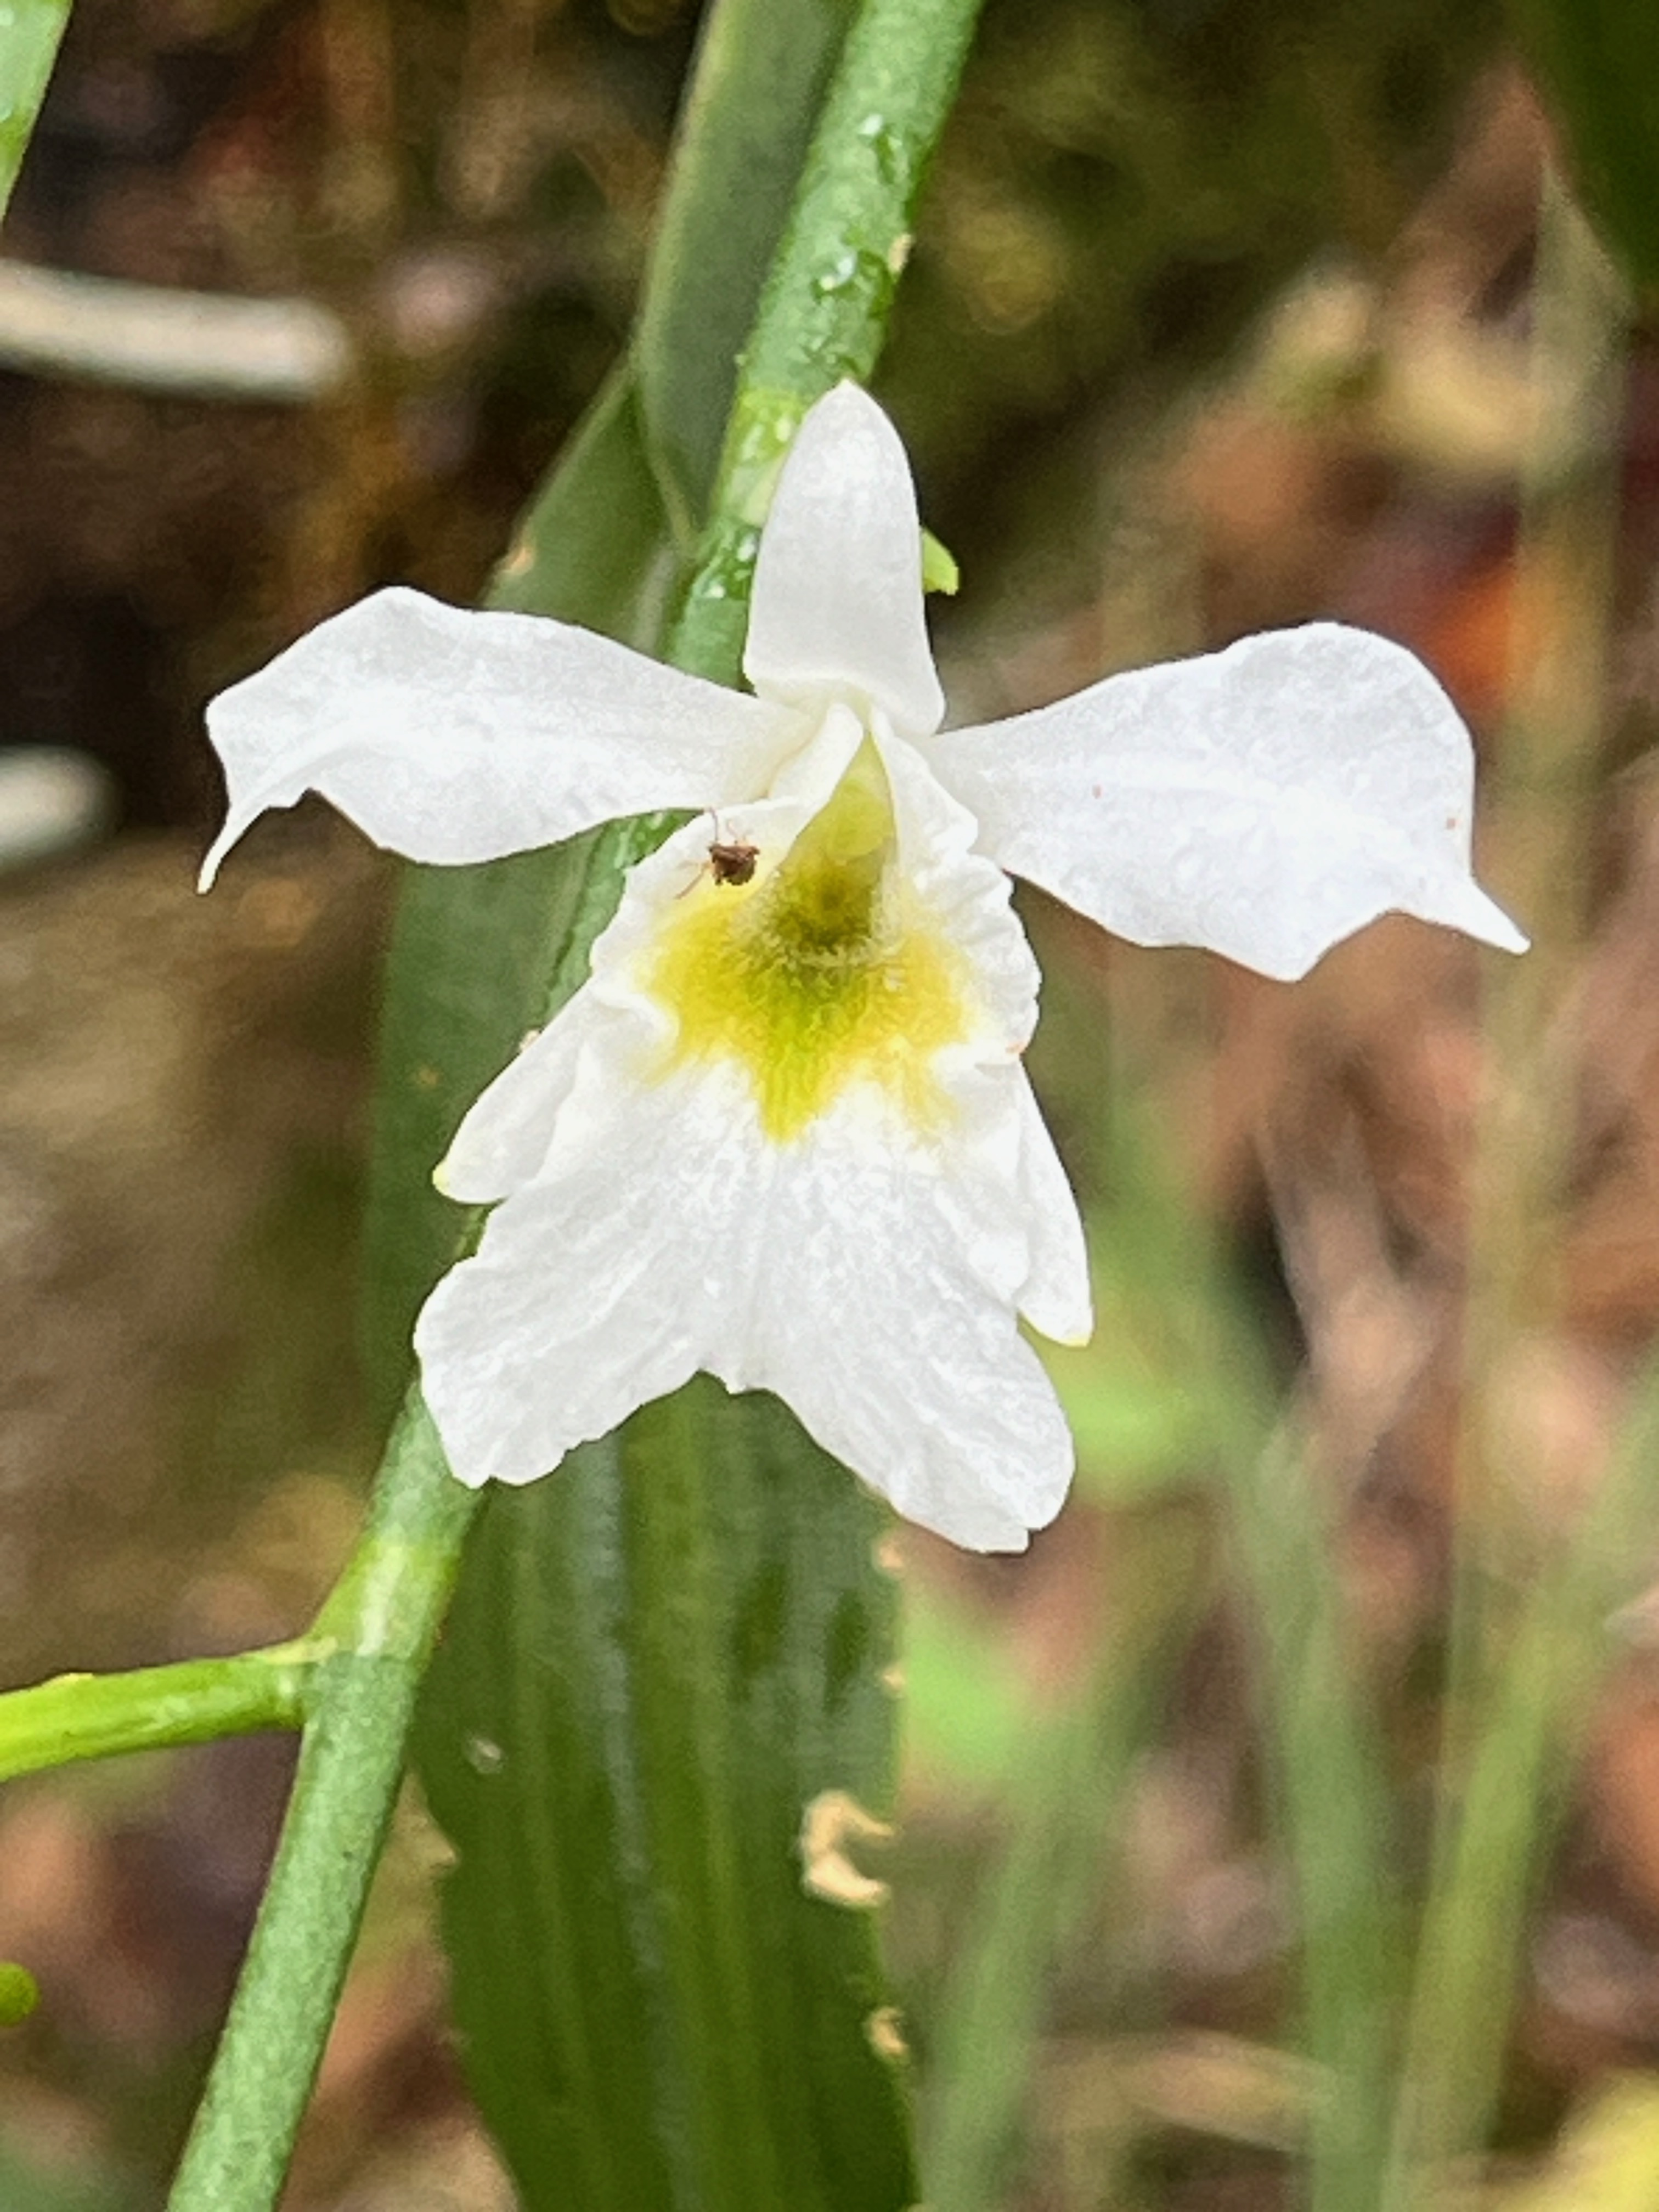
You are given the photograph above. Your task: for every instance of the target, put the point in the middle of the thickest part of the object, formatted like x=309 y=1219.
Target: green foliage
x=20 y=1993
x=1065 y=1792
x=29 y=33
x=1597 y=62
x=656 y=1662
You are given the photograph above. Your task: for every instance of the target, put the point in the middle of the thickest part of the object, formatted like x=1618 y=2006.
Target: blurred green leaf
x=20 y=1993
x=80 y=2186
x=966 y=1710
x=1170 y=1289
x=1597 y=63
x=656 y=1663
x=1142 y=1421
x=1065 y=1804
x=29 y=33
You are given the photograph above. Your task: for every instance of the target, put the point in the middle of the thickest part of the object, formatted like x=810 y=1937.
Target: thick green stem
x=382 y=1618
x=76 y=1716
x=823 y=314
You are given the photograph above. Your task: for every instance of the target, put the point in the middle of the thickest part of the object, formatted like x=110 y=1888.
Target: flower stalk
x=76 y=1716
x=381 y=1621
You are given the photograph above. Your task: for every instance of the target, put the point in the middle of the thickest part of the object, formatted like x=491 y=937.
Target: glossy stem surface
x=75 y=1716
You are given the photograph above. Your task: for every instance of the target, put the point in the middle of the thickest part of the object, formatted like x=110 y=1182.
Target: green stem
x=76 y=1716
x=382 y=1618
x=823 y=314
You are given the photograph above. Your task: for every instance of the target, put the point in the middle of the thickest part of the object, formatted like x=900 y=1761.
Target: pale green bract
x=783 y=1133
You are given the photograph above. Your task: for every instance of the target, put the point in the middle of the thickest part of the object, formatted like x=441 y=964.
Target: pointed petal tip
x=1503 y=933
x=1070 y=1326
x=1481 y=917
x=208 y=874
x=849 y=402
x=239 y=820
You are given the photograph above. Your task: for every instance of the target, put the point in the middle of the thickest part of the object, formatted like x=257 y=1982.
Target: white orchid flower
x=783 y=1133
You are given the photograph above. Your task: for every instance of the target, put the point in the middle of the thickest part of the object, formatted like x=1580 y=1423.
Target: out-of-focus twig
x=53 y=323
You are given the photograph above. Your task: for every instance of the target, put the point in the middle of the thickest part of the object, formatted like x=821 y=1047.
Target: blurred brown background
x=1214 y=322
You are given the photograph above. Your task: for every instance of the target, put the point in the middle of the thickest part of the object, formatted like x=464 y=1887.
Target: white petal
x=1265 y=801
x=452 y=735
x=866 y=1279
x=966 y=893
x=837 y=604
x=1055 y=1298
x=505 y=1134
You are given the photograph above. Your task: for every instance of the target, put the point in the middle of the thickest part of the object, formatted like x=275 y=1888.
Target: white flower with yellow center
x=783 y=1133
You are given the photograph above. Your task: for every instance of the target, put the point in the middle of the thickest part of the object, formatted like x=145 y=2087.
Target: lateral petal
x=1055 y=1298
x=837 y=604
x=504 y=1133
x=452 y=735
x=968 y=891
x=1265 y=802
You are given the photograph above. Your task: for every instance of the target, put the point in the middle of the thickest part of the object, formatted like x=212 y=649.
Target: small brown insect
x=730 y=861
x=733 y=863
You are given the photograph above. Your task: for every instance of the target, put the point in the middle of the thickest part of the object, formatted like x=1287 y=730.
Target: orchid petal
x=837 y=602
x=1265 y=801
x=504 y=1133
x=1055 y=1297
x=865 y=1281
x=967 y=892
x=452 y=736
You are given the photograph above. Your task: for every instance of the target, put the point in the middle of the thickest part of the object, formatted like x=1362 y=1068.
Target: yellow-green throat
x=822 y=973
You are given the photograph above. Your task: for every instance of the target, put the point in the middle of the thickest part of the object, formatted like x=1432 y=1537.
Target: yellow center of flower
x=825 y=973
